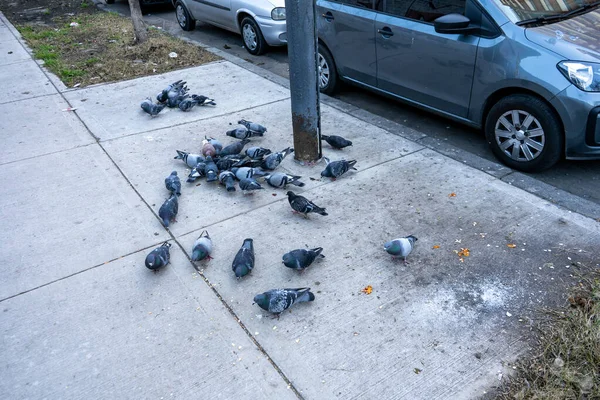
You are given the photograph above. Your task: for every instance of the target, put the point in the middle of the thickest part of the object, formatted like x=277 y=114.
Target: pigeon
x=241 y=132
x=273 y=160
x=227 y=178
x=257 y=152
x=163 y=96
x=256 y=129
x=304 y=206
x=168 y=211
x=335 y=169
x=247 y=162
x=197 y=172
x=400 y=247
x=186 y=104
x=176 y=95
x=173 y=183
x=244 y=259
x=151 y=108
x=234 y=148
x=337 y=142
x=159 y=257
x=249 y=184
x=210 y=170
x=247 y=172
x=202 y=247
x=279 y=300
x=227 y=162
x=208 y=149
x=189 y=158
x=216 y=144
x=280 y=180
x=203 y=100
x=300 y=259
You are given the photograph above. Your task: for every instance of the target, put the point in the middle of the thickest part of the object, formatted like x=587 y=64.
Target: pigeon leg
x=406 y=262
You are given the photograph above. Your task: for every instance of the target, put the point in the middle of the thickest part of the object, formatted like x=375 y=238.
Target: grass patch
x=567 y=361
x=100 y=49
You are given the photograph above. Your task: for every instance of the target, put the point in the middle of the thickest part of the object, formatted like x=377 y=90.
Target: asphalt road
x=580 y=178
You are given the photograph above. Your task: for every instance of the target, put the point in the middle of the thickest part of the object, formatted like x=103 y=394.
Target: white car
x=260 y=22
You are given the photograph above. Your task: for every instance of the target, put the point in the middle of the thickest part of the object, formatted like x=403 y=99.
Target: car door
x=217 y=12
x=416 y=62
x=347 y=27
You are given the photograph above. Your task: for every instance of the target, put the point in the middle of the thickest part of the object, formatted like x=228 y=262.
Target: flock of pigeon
x=232 y=164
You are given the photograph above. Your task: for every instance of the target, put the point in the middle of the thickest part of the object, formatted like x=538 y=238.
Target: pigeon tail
x=318 y=250
x=180 y=155
x=352 y=163
x=306 y=296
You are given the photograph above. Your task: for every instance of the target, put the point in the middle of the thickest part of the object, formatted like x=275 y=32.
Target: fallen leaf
x=452 y=194
x=464 y=252
x=436 y=246
x=511 y=245
x=368 y=290
x=418 y=371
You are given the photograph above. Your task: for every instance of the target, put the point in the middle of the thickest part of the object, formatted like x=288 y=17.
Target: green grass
x=566 y=364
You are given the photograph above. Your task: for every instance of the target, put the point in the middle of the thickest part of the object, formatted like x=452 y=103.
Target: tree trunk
x=139 y=29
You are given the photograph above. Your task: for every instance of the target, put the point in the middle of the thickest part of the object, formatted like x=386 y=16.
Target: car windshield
x=525 y=10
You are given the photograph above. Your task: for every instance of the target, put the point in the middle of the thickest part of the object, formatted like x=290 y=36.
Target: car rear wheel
x=254 y=41
x=184 y=18
x=328 y=78
x=524 y=133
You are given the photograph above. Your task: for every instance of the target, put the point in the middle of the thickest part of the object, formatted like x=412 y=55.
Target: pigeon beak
x=253 y=303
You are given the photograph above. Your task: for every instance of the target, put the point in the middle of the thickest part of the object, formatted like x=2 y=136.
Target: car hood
x=576 y=38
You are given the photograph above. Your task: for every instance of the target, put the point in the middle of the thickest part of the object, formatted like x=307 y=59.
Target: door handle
x=385 y=32
x=328 y=16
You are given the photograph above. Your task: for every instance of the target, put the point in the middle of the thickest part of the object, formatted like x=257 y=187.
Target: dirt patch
x=83 y=45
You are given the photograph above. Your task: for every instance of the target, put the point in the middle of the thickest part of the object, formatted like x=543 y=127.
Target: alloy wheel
x=323 y=72
x=520 y=135
x=250 y=37
x=180 y=14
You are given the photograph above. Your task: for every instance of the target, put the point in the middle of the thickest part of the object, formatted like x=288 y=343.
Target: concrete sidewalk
x=82 y=316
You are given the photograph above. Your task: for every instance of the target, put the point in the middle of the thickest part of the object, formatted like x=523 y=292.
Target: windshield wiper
x=556 y=17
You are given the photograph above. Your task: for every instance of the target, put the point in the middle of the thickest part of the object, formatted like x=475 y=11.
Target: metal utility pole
x=304 y=83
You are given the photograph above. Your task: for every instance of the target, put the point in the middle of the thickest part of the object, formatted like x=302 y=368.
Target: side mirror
x=453 y=23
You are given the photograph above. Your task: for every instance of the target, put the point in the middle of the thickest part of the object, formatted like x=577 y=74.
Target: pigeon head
x=174 y=173
x=412 y=238
x=262 y=300
x=392 y=246
x=199 y=254
x=326 y=173
x=150 y=260
x=290 y=194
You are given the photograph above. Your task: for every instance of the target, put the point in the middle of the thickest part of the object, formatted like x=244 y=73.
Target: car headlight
x=584 y=75
x=278 y=14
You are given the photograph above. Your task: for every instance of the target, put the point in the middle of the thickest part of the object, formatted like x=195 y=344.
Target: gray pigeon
x=202 y=247
x=227 y=162
x=241 y=132
x=164 y=95
x=257 y=152
x=190 y=159
x=197 y=172
x=256 y=129
x=335 y=169
x=247 y=172
x=151 y=108
x=176 y=95
x=304 y=206
x=227 y=178
x=187 y=104
x=168 y=211
x=203 y=100
x=279 y=300
x=281 y=180
x=273 y=160
x=337 y=142
x=159 y=257
x=244 y=259
x=215 y=143
x=249 y=184
x=173 y=183
x=300 y=259
x=234 y=148
x=210 y=170
x=400 y=247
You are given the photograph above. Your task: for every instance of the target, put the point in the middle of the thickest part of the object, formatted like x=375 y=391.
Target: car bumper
x=580 y=113
x=274 y=32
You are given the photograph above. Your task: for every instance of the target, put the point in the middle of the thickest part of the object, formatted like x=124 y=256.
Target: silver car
x=526 y=71
x=260 y=22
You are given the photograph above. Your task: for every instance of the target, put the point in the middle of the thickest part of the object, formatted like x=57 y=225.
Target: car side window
x=429 y=10
x=358 y=3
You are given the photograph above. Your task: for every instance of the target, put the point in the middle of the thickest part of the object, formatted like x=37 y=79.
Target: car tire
x=184 y=18
x=254 y=41
x=524 y=133
x=328 y=77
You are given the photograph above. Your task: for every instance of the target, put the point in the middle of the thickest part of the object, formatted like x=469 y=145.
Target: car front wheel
x=328 y=78
x=524 y=133
x=254 y=41
x=184 y=18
